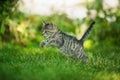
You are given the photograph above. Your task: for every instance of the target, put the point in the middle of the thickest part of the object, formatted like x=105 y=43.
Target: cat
x=67 y=44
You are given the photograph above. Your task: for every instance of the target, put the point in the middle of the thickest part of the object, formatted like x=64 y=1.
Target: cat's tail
x=85 y=36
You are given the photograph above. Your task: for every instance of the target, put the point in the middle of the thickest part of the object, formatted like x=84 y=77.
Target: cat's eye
x=47 y=31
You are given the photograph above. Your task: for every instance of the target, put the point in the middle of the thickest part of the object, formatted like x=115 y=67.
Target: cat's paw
x=41 y=44
x=47 y=45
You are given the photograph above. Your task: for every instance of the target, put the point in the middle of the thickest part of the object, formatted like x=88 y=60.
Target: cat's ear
x=43 y=23
x=51 y=26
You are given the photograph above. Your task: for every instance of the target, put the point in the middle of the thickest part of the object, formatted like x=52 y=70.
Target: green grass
x=17 y=63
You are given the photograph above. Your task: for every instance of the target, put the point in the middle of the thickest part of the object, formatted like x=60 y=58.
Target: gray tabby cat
x=67 y=44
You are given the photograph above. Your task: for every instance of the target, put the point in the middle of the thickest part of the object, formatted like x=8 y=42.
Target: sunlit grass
x=88 y=44
x=33 y=63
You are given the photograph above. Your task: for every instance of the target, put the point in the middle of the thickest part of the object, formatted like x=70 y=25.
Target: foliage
x=20 y=28
x=6 y=9
x=107 y=27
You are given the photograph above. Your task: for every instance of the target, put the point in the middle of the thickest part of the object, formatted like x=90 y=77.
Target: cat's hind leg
x=42 y=43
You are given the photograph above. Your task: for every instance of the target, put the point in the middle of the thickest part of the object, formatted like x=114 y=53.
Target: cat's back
x=70 y=38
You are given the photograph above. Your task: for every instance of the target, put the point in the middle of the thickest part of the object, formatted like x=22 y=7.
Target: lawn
x=33 y=63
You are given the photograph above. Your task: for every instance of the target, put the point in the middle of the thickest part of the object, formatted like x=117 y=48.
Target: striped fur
x=84 y=37
x=67 y=44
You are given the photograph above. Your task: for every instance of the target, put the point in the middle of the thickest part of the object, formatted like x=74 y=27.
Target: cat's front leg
x=42 y=43
x=50 y=42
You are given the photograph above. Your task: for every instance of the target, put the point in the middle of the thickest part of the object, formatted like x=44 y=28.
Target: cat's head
x=48 y=29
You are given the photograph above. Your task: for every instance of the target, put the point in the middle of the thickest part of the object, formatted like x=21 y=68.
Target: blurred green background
x=21 y=58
